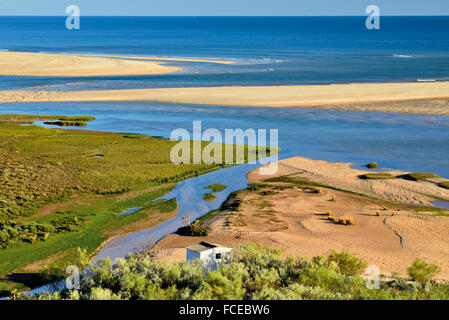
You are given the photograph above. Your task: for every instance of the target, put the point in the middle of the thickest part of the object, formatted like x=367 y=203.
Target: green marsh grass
x=209 y=196
x=40 y=166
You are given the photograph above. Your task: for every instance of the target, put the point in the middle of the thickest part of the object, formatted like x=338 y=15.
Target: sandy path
x=68 y=65
x=369 y=96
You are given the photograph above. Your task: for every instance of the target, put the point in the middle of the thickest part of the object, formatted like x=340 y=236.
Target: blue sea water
x=268 y=50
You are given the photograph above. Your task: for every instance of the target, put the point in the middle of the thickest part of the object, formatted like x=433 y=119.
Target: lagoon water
x=267 y=51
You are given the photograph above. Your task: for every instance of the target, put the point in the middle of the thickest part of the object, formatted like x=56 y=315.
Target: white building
x=211 y=254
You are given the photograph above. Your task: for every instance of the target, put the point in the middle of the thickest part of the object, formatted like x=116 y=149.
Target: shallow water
x=189 y=194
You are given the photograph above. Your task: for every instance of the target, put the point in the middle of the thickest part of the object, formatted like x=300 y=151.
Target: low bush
x=15 y=233
x=77 y=118
x=267 y=193
x=216 y=187
x=347 y=264
x=378 y=176
x=64 y=123
x=346 y=221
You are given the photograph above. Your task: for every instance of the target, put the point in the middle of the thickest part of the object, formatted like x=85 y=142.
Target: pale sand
x=372 y=96
x=341 y=175
x=294 y=220
x=69 y=65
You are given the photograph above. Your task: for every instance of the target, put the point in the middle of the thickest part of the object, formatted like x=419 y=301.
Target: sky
x=224 y=7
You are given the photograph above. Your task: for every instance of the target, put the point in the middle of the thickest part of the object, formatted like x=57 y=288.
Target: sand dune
x=427 y=98
x=294 y=219
x=69 y=65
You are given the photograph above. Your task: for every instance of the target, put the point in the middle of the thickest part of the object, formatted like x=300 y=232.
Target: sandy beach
x=386 y=234
x=161 y=58
x=70 y=65
x=425 y=98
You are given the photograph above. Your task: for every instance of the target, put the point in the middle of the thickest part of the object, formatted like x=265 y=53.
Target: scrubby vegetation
x=415 y=176
x=195 y=229
x=378 y=176
x=372 y=165
x=216 y=187
x=209 y=197
x=253 y=272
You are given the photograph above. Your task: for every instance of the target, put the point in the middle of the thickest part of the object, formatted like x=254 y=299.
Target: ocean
x=267 y=50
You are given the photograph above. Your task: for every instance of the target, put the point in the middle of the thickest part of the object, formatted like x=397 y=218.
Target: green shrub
x=415 y=176
x=372 y=165
x=421 y=271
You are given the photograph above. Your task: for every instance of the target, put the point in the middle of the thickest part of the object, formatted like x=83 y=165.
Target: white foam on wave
x=426 y=80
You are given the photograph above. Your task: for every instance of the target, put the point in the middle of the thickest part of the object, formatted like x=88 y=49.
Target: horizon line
x=223 y=16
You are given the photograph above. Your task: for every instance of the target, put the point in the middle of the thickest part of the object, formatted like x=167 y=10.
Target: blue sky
x=224 y=7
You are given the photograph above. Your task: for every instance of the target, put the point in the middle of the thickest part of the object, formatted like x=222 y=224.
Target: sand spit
x=426 y=98
x=69 y=65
